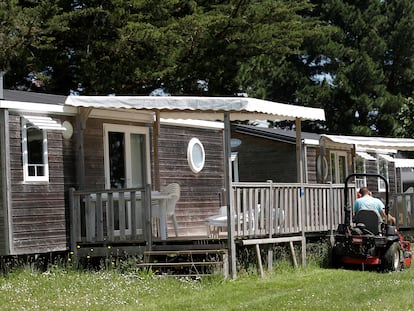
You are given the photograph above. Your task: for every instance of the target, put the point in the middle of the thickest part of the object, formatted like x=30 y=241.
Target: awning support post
x=229 y=196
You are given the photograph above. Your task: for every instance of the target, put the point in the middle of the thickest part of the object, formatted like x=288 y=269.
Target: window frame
x=381 y=183
x=25 y=157
x=127 y=130
x=195 y=168
x=336 y=154
x=360 y=181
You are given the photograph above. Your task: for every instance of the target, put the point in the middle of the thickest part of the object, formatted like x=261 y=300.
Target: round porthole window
x=195 y=155
x=322 y=167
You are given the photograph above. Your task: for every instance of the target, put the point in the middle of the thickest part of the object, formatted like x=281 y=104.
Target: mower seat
x=370 y=218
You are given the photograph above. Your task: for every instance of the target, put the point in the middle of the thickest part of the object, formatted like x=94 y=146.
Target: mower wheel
x=335 y=259
x=391 y=259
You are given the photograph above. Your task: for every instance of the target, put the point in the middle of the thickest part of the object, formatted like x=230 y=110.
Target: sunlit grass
x=310 y=288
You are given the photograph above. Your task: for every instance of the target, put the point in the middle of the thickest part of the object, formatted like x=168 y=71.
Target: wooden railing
x=262 y=210
x=402 y=207
x=269 y=209
x=109 y=215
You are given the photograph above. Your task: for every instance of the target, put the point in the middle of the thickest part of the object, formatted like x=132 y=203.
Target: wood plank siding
x=94 y=154
x=4 y=230
x=311 y=154
x=200 y=193
x=261 y=160
x=38 y=215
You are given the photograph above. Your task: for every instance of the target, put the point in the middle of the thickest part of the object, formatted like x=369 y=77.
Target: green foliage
x=406 y=117
x=355 y=59
x=370 y=61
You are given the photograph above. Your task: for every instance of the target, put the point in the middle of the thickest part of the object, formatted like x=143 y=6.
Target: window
x=382 y=170
x=195 y=155
x=360 y=168
x=235 y=166
x=338 y=167
x=35 y=156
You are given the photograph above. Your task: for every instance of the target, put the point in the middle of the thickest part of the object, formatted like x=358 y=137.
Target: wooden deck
x=265 y=213
x=120 y=219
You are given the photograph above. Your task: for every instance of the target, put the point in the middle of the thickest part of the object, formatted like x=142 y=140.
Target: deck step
x=180 y=264
x=185 y=252
x=192 y=262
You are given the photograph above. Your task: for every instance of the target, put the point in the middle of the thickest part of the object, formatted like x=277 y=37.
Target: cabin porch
x=119 y=222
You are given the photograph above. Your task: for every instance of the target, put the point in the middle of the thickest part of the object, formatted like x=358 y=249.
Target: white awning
x=202 y=108
x=401 y=163
x=386 y=157
x=365 y=156
x=372 y=142
x=45 y=123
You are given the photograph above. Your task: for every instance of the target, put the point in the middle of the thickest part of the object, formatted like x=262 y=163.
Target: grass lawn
x=310 y=288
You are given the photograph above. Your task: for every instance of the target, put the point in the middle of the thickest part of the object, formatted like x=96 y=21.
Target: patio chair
x=174 y=190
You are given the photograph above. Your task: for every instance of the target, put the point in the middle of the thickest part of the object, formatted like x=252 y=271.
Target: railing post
x=230 y=207
x=271 y=215
x=301 y=219
x=271 y=223
x=74 y=226
x=331 y=216
x=133 y=202
x=111 y=217
x=147 y=216
x=99 y=218
x=73 y=223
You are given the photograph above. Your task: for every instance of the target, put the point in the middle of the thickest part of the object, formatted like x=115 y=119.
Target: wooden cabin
x=41 y=160
x=88 y=170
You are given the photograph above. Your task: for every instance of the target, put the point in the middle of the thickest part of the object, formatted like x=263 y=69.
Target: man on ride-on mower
x=366 y=201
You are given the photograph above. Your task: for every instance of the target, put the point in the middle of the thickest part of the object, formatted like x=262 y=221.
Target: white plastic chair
x=174 y=190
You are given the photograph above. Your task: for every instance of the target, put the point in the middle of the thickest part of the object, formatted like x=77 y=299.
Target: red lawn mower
x=369 y=241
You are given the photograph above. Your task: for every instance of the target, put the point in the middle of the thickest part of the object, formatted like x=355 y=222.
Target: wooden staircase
x=187 y=262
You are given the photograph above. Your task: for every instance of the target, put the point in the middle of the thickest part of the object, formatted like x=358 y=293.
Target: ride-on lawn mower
x=369 y=241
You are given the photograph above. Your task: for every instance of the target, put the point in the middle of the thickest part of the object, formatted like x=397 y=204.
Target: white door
x=126 y=156
x=339 y=170
x=126 y=164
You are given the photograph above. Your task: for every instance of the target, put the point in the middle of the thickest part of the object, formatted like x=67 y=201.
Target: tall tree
x=25 y=36
x=186 y=47
x=357 y=90
x=369 y=65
